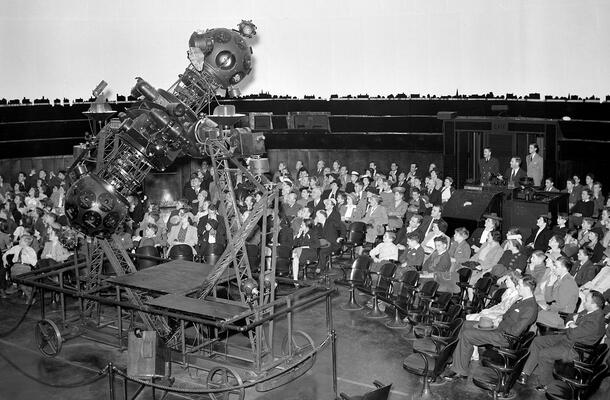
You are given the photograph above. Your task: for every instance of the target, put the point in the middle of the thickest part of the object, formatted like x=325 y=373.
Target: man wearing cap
x=350 y=187
x=488 y=166
x=517 y=319
x=539 y=239
x=560 y=294
x=396 y=209
x=513 y=174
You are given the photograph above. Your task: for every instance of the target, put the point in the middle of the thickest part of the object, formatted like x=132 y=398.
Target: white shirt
x=23 y=255
x=484 y=236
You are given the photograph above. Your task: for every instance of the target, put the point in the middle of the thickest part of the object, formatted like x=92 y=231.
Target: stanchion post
x=111 y=381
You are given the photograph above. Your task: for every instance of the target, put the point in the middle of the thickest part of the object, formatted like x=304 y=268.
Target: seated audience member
x=22 y=258
x=594 y=244
x=587 y=328
x=555 y=251
x=191 y=191
x=412 y=258
x=375 y=218
x=211 y=234
x=290 y=207
x=509 y=297
x=333 y=231
x=561 y=228
x=53 y=249
x=439 y=227
x=316 y=204
x=584 y=270
x=384 y=251
x=583 y=233
x=417 y=205
x=537 y=265
x=438 y=266
x=601 y=282
x=348 y=210
x=573 y=193
x=539 y=239
x=560 y=294
x=459 y=250
x=433 y=173
x=306 y=244
x=549 y=185
x=397 y=208
x=480 y=235
x=487 y=256
x=570 y=247
x=123 y=235
x=582 y=209
x=447 y=190
x=303 y=214
x=182 y=232
x=413 y=226
x=402 y=181
x=350 y=187
x=333 y=188
x=431 y=195
x=181 y=204
x=386 y=193
x=428 y=220
x=304 y=199
x=5 y=244
x=516 y=320
x=513 y=258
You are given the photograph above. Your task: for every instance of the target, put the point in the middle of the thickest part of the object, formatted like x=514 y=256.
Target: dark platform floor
x=366 y=350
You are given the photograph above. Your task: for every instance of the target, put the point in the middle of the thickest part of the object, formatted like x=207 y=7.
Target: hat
x=355 y=173
x=485 y=324
x=399 y=189
x=492 y=216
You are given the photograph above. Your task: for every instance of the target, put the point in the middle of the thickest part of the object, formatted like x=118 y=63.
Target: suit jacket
x=583 y=273
x=434 y=197
x=488 y=168
x=519 y=317
x=315 y=207
x=563 y=294
x=535 y=168
x=542 y=241
x=514 y=180
x=377 y=218
x=190 y=238
x=333 y=229
x=589 y=328
x=461 y=252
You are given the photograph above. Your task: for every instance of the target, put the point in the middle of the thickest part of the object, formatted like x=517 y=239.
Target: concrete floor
x=366 y=351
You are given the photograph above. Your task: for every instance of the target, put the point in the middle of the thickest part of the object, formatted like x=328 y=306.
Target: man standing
x=535 y=164
x=514 y=173
x=488 y=166
x=517 y=319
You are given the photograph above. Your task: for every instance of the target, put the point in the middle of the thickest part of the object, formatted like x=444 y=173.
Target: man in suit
x=316 y=204
x=587 y=328
x=191 y=191
x=514 y=173
x=350 y=187
x=393 y=174
x=539 y=239
x=333 y=187
x=432 y=196
x=396 y=209
x=488 y=166
x=332 y=230
x=479 y=236
x=319 y=171
x=375 y=218
x=517 y=319
x=584 y=270
x=435 y=214
x=549 y=186
x=535 y=164
x=560 y=294
x=413 y=226
x=183 y=232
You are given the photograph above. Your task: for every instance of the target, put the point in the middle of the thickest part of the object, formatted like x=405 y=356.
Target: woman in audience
x=438 y=183
x=487 y=256
x=570 y=247
x=513 y=258
x=306 y=242
x=53 y=249
x=304 y=199
x=447 y=190
x=537 y=265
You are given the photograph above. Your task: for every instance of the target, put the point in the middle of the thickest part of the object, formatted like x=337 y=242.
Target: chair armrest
x=497 y=368
x=344 y=396
x=584 y=367
x=512 y=339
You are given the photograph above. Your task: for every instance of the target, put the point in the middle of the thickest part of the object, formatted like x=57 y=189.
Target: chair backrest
x=444 y=355
x=453 y=312
x=381 y=393
x=429 y=289
x=385 y=277
x=181 y=252
x=595 y=381
x=358 y=276
x=410 y=278
x=442 y=300
x=356 y=233
x=455 y=326
x=525 y=340
x=482 y=286
x=143 y=263
x=464 y=275
x=362 y=263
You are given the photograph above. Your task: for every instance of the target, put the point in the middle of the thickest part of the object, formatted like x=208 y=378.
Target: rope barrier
x=27 y=310
x=86 y=382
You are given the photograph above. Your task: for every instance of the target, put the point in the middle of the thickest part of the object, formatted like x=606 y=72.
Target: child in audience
x=384 y=251
x=23 y=258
